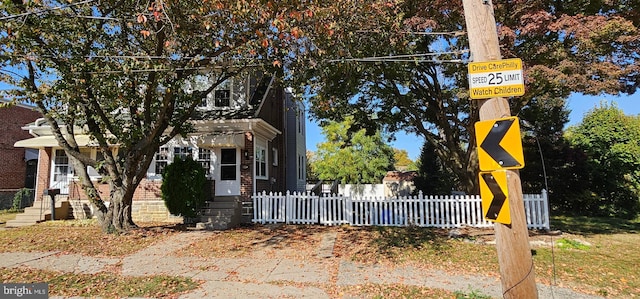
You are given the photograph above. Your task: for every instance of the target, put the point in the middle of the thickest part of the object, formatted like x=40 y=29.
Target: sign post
x=512 y=240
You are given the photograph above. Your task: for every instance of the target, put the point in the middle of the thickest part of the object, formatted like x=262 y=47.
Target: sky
x=578 y=105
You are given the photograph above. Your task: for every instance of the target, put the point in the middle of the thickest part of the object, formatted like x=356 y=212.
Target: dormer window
x=223 y=97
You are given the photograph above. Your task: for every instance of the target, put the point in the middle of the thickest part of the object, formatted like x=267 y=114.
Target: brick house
x=18 y=164
x=249 y=135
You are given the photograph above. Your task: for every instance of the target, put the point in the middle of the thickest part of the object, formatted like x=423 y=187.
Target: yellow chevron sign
x=495 y=196
x=499 y=144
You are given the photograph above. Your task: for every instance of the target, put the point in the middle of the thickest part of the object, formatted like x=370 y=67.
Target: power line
x=451 y=33
x=9 y=17
x=397 y=58
x=391 y=58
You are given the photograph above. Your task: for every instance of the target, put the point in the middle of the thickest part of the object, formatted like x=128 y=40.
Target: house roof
x=400 y=176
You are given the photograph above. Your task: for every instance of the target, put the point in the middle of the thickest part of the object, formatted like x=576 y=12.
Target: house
x=399 y=183
x=249 y=137
x=18 y=164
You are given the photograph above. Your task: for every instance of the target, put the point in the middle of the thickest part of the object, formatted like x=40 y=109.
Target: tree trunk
x=118 y=218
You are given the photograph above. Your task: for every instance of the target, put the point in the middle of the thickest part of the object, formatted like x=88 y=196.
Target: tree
x=352 y=157
x=311 y=173
x=408 y=73
x=433 y=178
x=118 y=70
x=403 y=162
x=611 y=143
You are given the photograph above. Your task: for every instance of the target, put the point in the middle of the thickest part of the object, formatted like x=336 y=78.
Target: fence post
x=288 y=210
x=545 y=199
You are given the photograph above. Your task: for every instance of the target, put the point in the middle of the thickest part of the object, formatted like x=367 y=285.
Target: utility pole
x=512 y=241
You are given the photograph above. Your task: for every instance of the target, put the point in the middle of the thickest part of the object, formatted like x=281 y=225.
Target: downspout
x=252 y=154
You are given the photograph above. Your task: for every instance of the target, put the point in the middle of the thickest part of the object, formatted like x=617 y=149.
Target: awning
x=220 y=140
x=50 y=141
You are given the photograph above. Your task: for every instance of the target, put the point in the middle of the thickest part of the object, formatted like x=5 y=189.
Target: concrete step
x=214 y=212
x=16 y=223
x=213 y=225
x=223 y=212
x=221 y=205
x=218 y=218
x=33 y=215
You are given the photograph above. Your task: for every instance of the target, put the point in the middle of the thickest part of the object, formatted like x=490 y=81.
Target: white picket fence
x=424 y=211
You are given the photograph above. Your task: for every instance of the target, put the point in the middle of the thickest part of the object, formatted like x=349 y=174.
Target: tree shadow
x=584 y=225
x=411 y=238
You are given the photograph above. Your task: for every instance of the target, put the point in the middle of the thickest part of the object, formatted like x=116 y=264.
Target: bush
x=182 y=188
x=21 y=196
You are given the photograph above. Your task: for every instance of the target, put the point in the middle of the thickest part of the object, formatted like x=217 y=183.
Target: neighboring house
x=399 y=183
x=243 y=140
x=18 y=164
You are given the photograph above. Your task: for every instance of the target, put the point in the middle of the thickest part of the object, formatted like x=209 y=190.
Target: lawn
x=6 y=215
x=592 y=255
x=82 y=237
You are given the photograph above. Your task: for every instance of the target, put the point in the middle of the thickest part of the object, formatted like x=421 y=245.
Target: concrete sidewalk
x=261 y=278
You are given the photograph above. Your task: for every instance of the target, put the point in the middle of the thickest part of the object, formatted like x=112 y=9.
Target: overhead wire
x=36 y=12
x=419 y=58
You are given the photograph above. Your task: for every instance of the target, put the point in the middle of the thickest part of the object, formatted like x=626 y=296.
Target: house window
x=228 y=164
x=204 y=158
x=300 y=167
x=182 y=152
x=300 y=121
x=162 y=159
x=203 y=104
x=222 y=94
x=261 y=162
x=223 y=97
x=199 y=83
x=274 y=156
x=92 y=172
x=62 y=166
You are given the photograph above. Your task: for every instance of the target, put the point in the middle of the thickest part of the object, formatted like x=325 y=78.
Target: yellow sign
x=500 y=78
x=499 y=144
x=495 y=196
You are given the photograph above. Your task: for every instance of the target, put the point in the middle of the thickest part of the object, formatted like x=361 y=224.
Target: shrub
x=20 y=197
x=183 y=187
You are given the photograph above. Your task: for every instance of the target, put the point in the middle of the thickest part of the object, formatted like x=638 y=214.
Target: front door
x=228 y=172
x=62 y=172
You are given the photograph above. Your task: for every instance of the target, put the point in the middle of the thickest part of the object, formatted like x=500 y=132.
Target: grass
x=417 y=247
x=81 y=237
x=380 y=291
x=584 y=225
x=106 y=285
x=6 y=215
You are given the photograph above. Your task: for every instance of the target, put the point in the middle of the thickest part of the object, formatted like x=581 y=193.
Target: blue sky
x=578 y=104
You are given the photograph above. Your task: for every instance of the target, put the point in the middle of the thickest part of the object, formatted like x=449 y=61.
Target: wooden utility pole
x=512 y=241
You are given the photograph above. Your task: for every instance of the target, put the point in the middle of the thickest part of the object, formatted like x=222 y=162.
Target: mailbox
x=52 y=194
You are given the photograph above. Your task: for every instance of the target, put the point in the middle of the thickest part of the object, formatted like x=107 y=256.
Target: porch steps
x=222 y=213
x=39 y=213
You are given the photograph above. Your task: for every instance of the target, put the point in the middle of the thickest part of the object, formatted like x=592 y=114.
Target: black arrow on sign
x=491 y=144
x=498 y=196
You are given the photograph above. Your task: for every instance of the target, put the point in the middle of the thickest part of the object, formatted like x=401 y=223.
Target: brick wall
x=44 y=171
x=12 y=119
x=246 y=170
